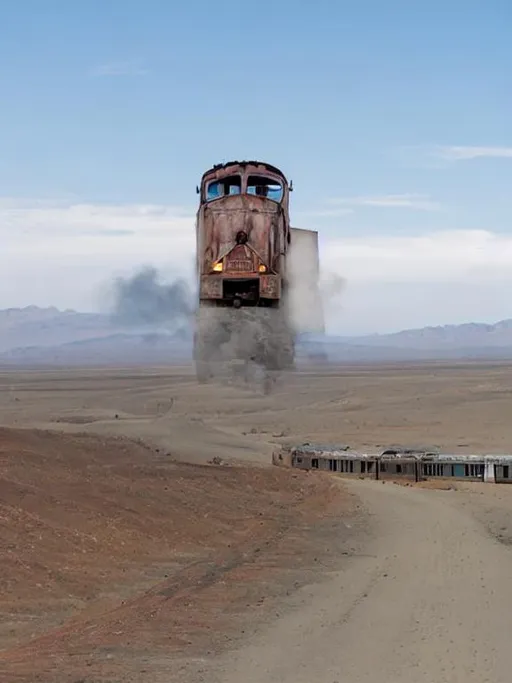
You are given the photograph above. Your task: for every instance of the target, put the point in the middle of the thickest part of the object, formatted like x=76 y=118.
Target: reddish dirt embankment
x=112 y=553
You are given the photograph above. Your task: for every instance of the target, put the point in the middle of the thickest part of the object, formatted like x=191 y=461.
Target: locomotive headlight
x=262 y=268
x=217 y=267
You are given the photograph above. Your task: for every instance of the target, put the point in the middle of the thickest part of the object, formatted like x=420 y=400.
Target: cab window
x=222 y=188
x=265 y=187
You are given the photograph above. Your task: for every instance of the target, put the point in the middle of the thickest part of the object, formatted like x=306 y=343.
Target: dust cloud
x=261 y=337
x=305 y=301
x=332 y=286
x=331 y=289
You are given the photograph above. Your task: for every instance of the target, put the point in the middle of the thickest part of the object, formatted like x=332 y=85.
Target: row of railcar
x=411 y=464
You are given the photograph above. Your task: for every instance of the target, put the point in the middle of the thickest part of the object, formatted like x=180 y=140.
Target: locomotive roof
x=269 y=167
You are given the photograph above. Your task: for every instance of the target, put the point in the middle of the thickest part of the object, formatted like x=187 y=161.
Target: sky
x=393 y=119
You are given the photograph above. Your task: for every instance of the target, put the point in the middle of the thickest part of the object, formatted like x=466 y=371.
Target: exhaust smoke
x=145 y=299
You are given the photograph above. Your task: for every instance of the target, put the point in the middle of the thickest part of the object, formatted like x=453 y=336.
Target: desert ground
x=145 y=536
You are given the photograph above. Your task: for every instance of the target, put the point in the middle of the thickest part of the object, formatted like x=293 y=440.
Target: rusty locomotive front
x=243 y=234
x=243 y=231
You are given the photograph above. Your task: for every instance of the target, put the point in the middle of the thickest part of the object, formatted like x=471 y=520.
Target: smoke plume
x=145 y=299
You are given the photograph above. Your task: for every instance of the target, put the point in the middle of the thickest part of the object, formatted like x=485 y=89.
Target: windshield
x=265 y=187
x=226 y=186
x=261 y=186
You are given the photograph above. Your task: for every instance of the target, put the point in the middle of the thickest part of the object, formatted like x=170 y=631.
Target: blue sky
x=393 y=119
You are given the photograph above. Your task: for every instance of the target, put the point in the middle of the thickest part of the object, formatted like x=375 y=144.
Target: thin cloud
x=113 y=69
x=465 y=153
x=390 y=201
x=106 y=232
x=66 y=251
x=393 y=282
x=51 y=256
x=60 y=226
x=443 y=255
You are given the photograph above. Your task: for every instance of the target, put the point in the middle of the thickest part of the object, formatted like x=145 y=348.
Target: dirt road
x=429 y=602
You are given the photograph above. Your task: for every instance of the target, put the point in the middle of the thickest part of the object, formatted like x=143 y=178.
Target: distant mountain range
x=468 y=335
x=36 y=336
x=33 y=326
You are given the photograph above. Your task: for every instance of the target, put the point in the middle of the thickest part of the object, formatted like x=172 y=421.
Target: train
x=257 y=276
x=412 y=464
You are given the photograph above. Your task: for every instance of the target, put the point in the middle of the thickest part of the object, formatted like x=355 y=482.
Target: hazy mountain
x=467 y=341
x=46 y=335
x=468 y=335
x=35 y=335
x=116 y=349
x=33 y=326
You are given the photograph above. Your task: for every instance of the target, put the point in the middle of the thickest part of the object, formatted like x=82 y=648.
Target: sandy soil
x=117 y=561
x=120 y=562
x=457 y=407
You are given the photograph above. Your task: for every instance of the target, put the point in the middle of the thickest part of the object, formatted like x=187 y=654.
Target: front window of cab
x=265 y=187
x=221 y=188
x=261 y=186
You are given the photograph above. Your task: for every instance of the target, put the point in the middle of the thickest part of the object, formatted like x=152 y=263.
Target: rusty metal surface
x=270 y=286
x=263 y=254
x=241 y=259
x=210 y=287
x=263 y=220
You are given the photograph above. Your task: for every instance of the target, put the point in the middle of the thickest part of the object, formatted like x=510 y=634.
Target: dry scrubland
x=128 y=556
